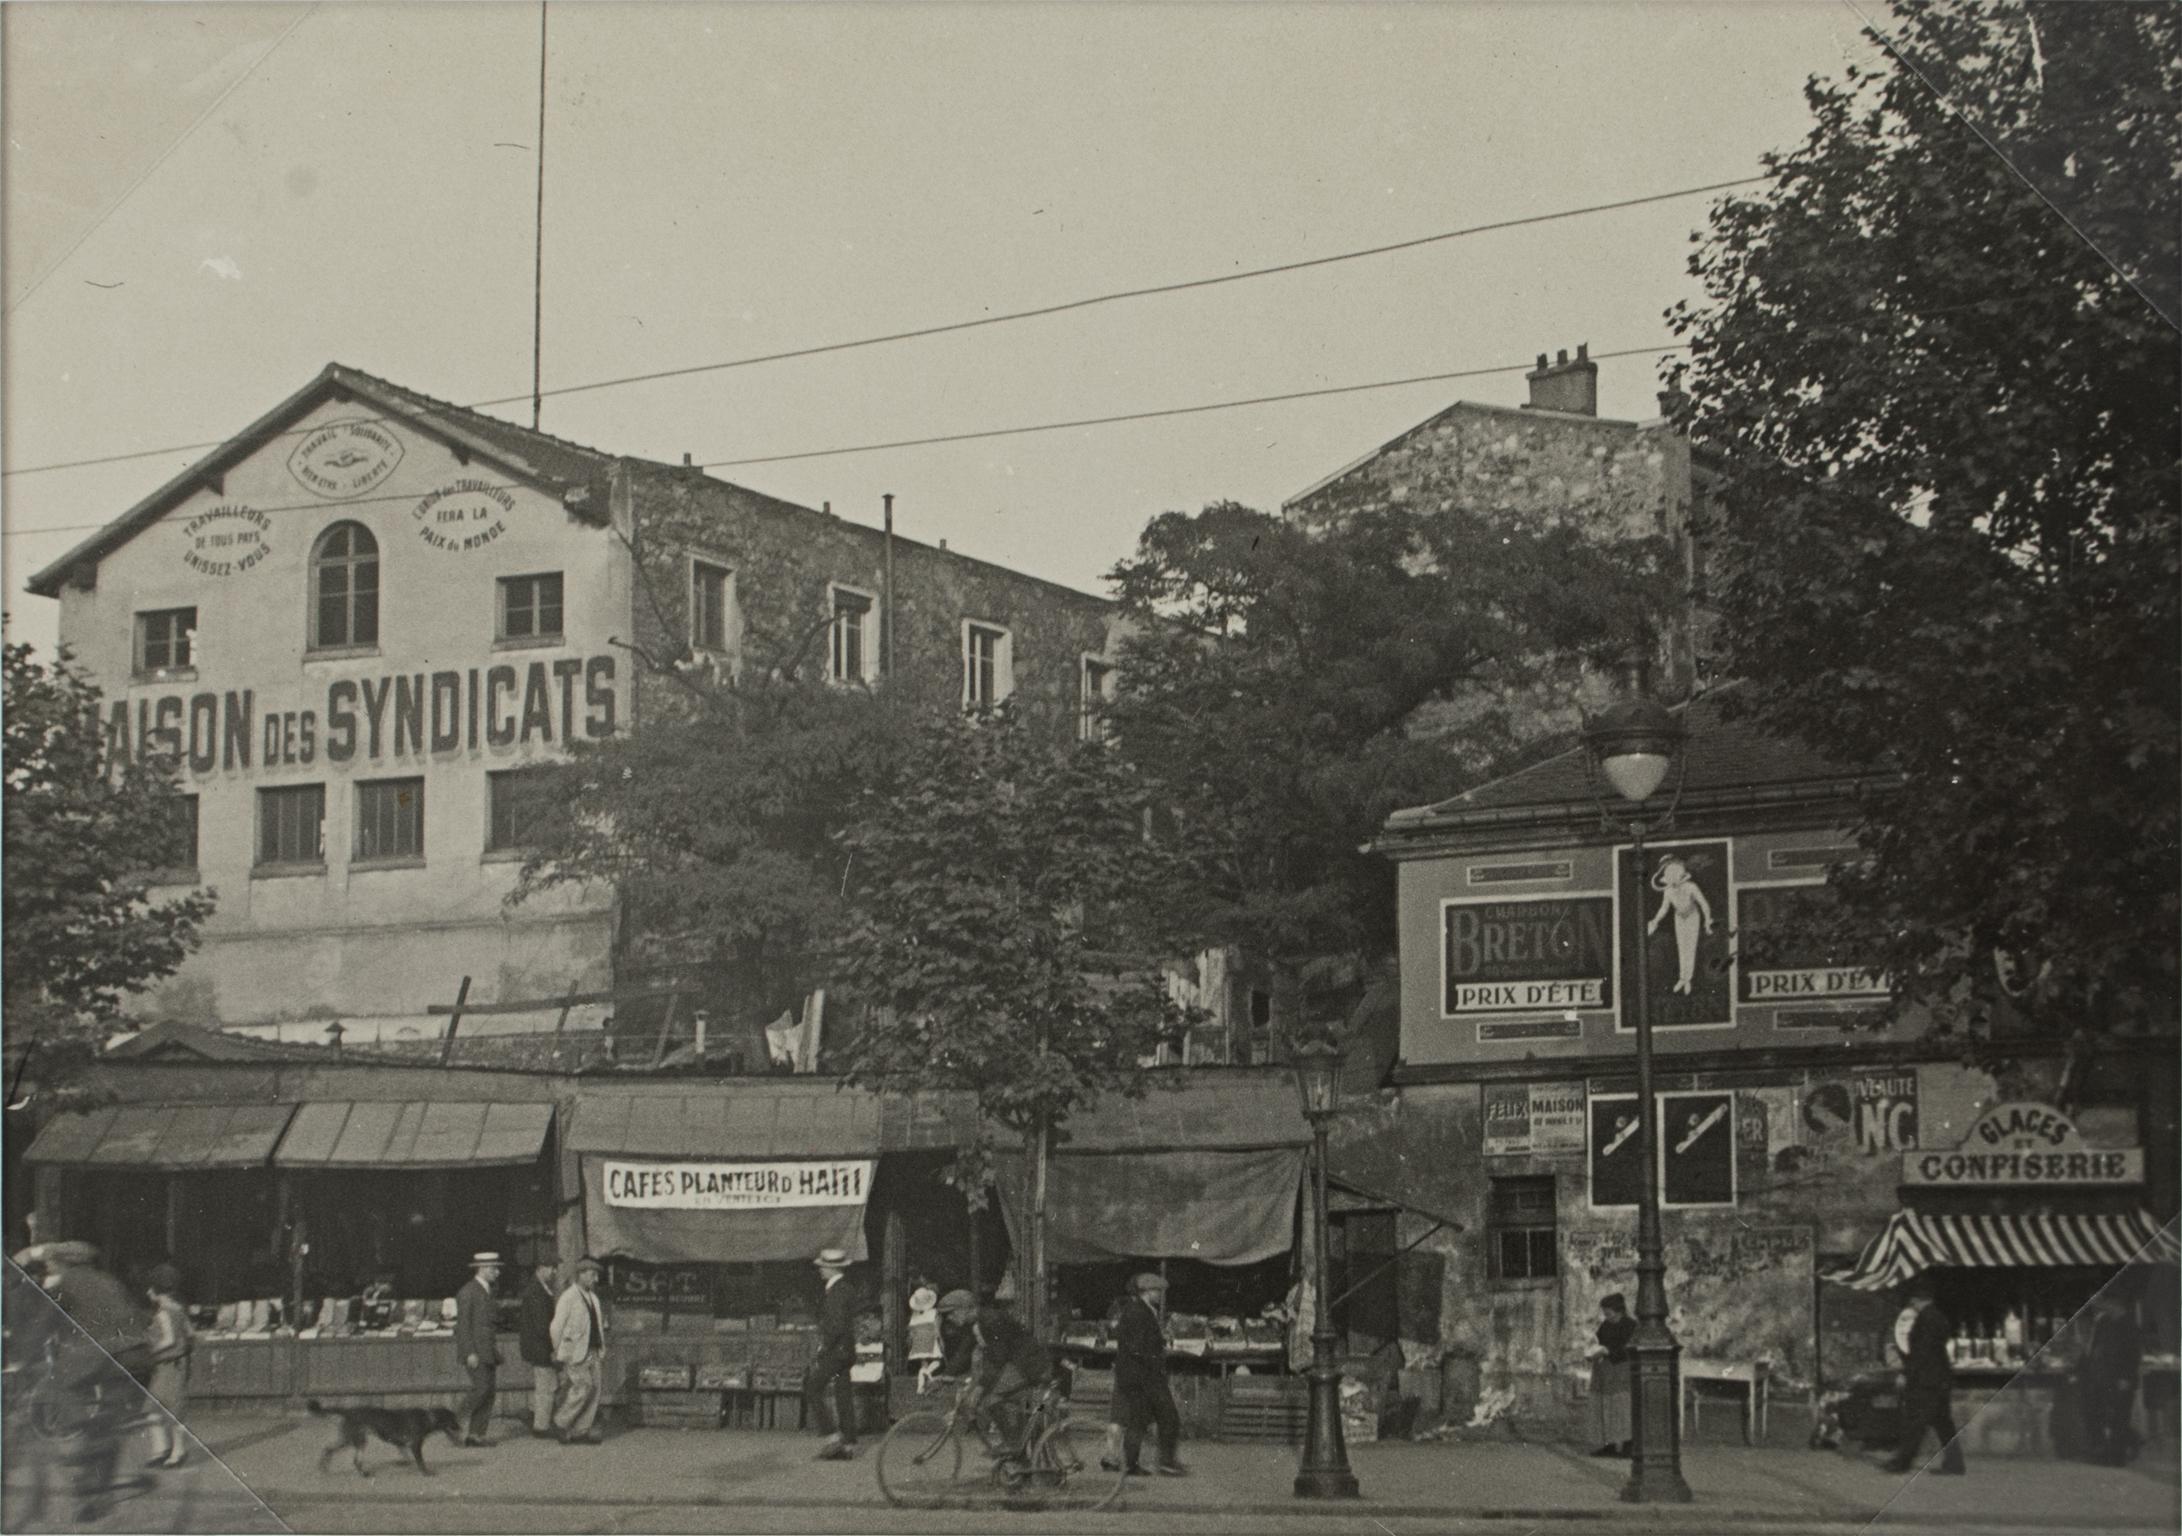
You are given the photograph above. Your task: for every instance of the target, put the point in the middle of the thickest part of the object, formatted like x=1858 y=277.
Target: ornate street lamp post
x=1324 y=1473
x=1633 y=745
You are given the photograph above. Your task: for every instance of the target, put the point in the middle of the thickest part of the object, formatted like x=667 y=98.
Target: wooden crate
x=678 y=1410
x=1272 y=1409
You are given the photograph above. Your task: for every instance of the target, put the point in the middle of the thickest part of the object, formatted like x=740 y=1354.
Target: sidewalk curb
x=1677 y=1518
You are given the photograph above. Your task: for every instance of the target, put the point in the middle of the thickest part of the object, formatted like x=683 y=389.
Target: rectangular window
x=166 y=639
x=517 y=798
x=851 y=636
x=709 y=586
x=986 y=666
x=530 y=607
x=1099 y=681
x=180 y=852
x=1524 y=1236
x=291 y=824
x=389 y=819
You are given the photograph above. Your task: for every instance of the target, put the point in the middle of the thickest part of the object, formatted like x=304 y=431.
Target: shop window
x=517 y=805
x=389 y=820
x=711 y=590
x=291 y=825
x=166 y=641
x=1524 y=1237
x=988 y=670
x=530 y=607
x=851 y=659
x=345 y=588
x=1099 y=681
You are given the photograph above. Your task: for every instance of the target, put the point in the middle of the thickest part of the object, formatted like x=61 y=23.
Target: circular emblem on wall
x=345 y=458
x=466 y=515
x=226 y=541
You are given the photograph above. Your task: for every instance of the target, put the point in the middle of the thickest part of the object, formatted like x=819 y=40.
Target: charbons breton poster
x=1541 y=954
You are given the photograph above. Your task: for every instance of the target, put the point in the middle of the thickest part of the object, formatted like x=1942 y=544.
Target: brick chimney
x=1566 y=386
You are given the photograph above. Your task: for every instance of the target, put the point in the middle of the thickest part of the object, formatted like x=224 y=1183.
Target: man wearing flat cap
x=477 y=1347
x=836 y=1356
x=1140 y=1377
x=579 y=1345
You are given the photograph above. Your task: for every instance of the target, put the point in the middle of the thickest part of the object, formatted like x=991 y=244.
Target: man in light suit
x=477 y=1348
x=579 y=1347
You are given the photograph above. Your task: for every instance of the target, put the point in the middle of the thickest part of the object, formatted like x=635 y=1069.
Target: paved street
x=670 y=1481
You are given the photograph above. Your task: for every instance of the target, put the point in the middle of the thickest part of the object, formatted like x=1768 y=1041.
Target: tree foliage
x=83 y=837
x=1272 y=688
x=717 y=824
x=1005 y=911
x=1948 y=520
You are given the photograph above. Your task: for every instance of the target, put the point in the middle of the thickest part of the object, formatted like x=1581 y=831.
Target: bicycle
x=1057 y=1460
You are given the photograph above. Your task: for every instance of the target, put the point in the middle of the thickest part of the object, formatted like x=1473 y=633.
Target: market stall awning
x=741 y=1173
x=1219 y=1207
x=1207 y=1109
x=1914 y=1241
x=168 y=1136
x=361 y=1133
x=792 y=1120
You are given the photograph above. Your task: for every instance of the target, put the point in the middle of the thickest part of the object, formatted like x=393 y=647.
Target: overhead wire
x=1015 y=431
x=1008 y=317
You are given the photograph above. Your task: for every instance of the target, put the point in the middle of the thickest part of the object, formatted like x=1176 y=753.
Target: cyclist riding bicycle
x=1009 y=1370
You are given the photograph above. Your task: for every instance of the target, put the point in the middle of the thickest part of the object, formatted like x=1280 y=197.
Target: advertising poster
x=1617 y=1161
x=1677 y=920
x=1533 y=1118
x=1547 y=953
x=1507 y=1118
x=1784 y=953
x=1697 y=1136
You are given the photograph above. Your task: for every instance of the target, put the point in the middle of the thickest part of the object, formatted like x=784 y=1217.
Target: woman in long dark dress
x=1610 y=1385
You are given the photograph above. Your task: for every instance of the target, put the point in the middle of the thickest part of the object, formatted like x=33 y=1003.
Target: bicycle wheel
x=1072 y=1466
x=920 y=1461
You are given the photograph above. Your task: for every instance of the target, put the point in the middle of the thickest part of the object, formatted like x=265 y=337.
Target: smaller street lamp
x=1633 y=744
x=1324 y=1473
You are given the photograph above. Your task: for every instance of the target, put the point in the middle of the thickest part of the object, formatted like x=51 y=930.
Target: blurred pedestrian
x=170 y=1341
x=534 y=1341
x=1928 y=1385
x=477 y=1347
x=1140 y=1378
x=96 y=1365
x=579 y=1345
x=2106 y=1379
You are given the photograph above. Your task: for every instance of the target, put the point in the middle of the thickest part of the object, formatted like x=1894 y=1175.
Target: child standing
x=170 y=1339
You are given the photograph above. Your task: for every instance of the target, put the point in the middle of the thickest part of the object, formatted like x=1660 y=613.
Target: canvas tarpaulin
x=1221 y=1207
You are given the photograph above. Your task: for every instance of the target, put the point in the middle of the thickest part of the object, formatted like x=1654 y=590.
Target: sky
x=207 y=203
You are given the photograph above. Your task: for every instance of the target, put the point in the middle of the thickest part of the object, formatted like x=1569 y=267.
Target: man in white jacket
x=579 y=1348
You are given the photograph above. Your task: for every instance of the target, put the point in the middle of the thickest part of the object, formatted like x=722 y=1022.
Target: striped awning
x=1915 y=1241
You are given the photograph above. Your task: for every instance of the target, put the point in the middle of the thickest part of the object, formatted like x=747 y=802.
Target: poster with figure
x=1617 y=1151
x=1676 y=917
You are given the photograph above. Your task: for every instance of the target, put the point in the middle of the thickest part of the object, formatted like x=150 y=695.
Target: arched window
x=345 y=587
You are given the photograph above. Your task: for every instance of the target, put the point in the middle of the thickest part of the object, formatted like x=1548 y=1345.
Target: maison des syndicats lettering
x=372 y=719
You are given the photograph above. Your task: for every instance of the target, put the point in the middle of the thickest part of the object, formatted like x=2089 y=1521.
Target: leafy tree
x=82 y=837
x=717 y=825
x=1948 y=519
x=1275 y=690
x=1003 y=930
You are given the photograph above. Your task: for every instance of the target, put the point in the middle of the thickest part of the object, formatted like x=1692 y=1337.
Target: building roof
x=1730 y=760
x=191 y=1042
x=575 y=471
x=537 y=457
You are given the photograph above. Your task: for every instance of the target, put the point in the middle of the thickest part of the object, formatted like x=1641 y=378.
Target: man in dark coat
x=1010 y=1367
x=477 y=1348
x=94 y=1364
x=1140 y=1377
x=2106 y=1380
x=828 y=1376
x=534 y=1338
x=1928 y=1386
